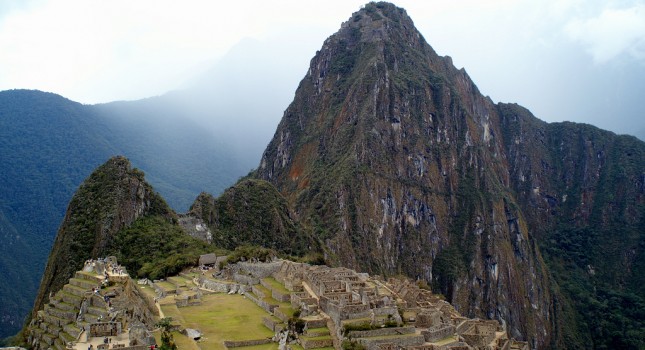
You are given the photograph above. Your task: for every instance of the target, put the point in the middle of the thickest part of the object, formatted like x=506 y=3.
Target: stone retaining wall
x=315 y=343
x=316 y=323
x=381 y=332
x=257 y=291
x=160 y=291
x=259 y=270
x=285 y=298
x=439 y=332
x=241 y=343
x=373 y=344
x=220 y=287
x=272 y=324
x=261 y=303
x=187 y=302
x=245 y=279
x=280 y=314
x=148 y=300
x=118 y=279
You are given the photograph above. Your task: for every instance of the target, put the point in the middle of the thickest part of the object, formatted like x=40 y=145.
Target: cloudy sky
x=579 y=60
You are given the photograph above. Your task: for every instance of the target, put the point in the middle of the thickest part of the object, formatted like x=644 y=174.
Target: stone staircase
x=59 y=323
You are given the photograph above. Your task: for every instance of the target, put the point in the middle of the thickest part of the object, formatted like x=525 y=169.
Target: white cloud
x=97 y=51
x=612 y=33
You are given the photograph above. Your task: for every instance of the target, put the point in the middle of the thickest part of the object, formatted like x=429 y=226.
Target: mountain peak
x=111 y=198
x=378 y=22
x=398 y=164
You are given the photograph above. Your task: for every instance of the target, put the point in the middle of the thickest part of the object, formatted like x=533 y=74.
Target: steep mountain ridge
x=396 y=163
x=50 y=144
x=111 y=199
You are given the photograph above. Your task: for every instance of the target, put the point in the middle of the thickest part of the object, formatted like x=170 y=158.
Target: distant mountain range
x=49 y=144
x=389 y=160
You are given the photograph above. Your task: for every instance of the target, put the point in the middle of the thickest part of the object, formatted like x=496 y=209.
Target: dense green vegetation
x=49 y=145
x=252 y=213
x=155 y=247
x=606 y=314
x=110 y=199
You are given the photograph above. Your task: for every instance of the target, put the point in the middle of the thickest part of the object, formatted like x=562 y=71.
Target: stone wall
x=316 y=343
x=438 y=332
x=294 y=286
x=476 y=340
x=147 y=299
x=105 y=329
x=427 y=319
x=187 y=302
x=245 y=279
x=381 y=332
x=160 y=291
x=316 y=323
x=272 y=324
x=220 y=287
x=261 y=303
x=118 y=279
x=242 y=343
x=258 y=270
x=404 y=341
x=280 y=314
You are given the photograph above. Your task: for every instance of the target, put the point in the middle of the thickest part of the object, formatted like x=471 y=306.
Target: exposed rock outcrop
x=395 y=161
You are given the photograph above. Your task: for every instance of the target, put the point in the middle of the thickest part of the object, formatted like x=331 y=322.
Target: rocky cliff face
x=396 y=163
x=111 y=199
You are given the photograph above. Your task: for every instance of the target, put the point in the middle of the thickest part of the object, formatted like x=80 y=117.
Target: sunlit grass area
x=223 y=317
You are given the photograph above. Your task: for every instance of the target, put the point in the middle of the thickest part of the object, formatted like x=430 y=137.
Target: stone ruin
x=99 y=303
x=393 y=314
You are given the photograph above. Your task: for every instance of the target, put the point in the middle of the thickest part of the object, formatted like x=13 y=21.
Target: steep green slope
x=252 y=212
x=49 y=144
x=155 y=247
x=116 y=212
x=111 y=199
x=585 y=188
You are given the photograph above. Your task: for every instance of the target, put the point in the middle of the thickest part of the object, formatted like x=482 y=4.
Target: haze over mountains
x=201 y=138
x=391 y=160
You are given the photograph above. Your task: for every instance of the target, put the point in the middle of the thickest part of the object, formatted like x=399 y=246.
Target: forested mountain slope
x=49 y=144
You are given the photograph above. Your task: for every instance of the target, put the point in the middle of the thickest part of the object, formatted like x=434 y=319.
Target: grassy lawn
x=225 y=317
x=178 y=280
x=166 y=285
x=171 y=310
x=276 y=285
